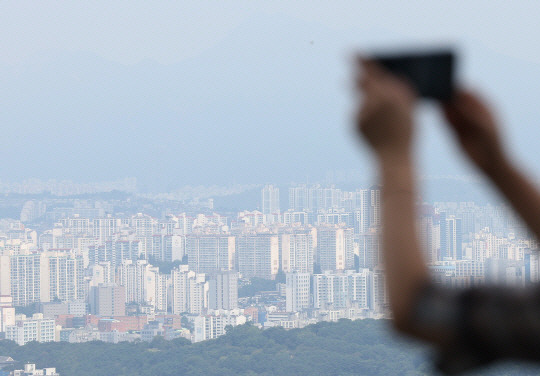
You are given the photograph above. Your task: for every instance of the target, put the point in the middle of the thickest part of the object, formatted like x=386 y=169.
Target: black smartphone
x=430 y=72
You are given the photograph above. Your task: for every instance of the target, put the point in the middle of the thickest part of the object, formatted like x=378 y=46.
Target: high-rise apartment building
x=343 y=289
x=77 y=226
x=375 y=206
x=107 y=300
x=102 y=273
x=270 y=199
x=367 y=209
x=380 y=301
x=104 y=228
x=258 y=255
x=157 y=288
x=29 y=278
x=5 y=276
x=291 y=217
x=298 y=249
x=66 y=276
x=335 y=248
x=451 y=237
x=114 y=251
x=362 y=211
x=532 y=267
x=454 y=238
x=428 y=233
x=297 y=291
x=133 y=276
x=43 y=277
x=189 y=291
x=369 y=249
x=335 y=216
x=298 y=198
x=210 y=253
x=143 y=224
x=167 y=247
x=314 y=197
x=223 y=291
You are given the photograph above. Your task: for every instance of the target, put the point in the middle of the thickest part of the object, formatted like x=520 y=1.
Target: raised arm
x=477 y=132
x=470 y=327
x=385 y=121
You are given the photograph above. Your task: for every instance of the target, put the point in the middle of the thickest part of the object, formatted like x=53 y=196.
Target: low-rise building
x=36 y=328
x=213 y=324
x=31 y=370
x=7 y=312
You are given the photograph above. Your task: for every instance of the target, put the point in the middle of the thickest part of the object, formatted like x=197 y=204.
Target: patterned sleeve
x=487 y=323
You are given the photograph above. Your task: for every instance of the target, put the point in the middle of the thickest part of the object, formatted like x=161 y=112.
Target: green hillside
x=362 y=347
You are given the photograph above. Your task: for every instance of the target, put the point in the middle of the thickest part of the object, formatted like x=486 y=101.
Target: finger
x=470 y=103
x=366 y=109
x=370 y=66
x=363 y=77
x=373 y=68
x=366 y=83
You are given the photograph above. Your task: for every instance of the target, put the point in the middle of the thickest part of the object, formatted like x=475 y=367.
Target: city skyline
x=176 y=173
x=92 y=260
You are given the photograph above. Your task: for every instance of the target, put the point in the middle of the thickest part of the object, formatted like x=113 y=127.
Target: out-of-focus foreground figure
x=470 y=327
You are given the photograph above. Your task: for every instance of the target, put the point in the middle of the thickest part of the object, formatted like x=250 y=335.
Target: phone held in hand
x=430 y=72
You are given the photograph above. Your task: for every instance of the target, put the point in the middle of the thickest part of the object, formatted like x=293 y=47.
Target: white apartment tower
x=258 y=255
x=298 y=250
x=104 y=228
x=5 y=276
x=210 y=253
x=270 y=199
x=223 y=291
x=76 y=226
x=343 y=289
x=298 y=198
x=29 y=277
x=132 y=275
x=66 y=276
x=108 y=300
x=157 y=288
x=143 y=224
x=167 y=247
x=297 y=291
x=189 y=291
x=335 y=248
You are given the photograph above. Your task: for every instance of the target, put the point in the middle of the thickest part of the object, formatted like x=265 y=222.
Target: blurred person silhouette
x=469 y=327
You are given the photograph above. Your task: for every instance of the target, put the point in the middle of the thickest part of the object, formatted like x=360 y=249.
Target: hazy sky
x=168 y=32
x=178 y=93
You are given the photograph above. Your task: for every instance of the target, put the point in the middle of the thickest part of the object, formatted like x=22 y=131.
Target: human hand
x=475 y=128
x=385 y=117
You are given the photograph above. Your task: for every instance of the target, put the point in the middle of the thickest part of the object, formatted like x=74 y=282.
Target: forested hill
x=362 y=347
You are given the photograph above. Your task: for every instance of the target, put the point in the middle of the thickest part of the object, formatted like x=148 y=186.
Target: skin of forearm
x=406 y=272
x=518 y=190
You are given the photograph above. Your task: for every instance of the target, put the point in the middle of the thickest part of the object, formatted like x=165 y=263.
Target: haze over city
x=183 y=190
